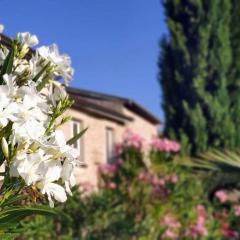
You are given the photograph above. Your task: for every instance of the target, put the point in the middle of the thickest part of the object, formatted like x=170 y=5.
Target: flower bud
x=4 y=146
x=59 y=106
x=66 y=119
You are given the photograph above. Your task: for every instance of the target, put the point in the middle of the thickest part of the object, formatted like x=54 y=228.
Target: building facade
x=107 y=118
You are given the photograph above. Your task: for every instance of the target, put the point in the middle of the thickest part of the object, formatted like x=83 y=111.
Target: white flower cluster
x=30 y=106
x=1 y=28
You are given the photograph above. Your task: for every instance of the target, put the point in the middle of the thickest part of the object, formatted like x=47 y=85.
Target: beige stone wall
x=94 y=140
x=141 y=126
x=93 y=143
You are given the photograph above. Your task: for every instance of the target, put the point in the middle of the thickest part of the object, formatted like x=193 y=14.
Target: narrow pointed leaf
x=76 y=137
x=41 y=72
x=8 y=64
x=41 y=85
x=12 y=216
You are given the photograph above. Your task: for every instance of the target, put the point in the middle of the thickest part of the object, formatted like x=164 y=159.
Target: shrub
x=162 y=201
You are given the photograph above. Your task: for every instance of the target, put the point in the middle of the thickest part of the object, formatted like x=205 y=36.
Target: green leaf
x=227 y=162
x=8 y=64
x=41 y=85
x=76 y=137
x=11 y=216
x=2 y=159
x=41 y=72
x=6 y=131
x=12 y=199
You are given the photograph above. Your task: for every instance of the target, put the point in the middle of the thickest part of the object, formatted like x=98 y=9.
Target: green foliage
x=18 y=200
x=234 y=71
x=133 y=208
x=12 y=215
x=195 y=63
x=76 y=137
x=224 y=165
x=226 y=161
x=8 y=63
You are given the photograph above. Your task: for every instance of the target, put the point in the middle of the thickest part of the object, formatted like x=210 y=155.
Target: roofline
x=96 y=94
x=137 y=108
x=128 y=103
x=99 y=113
x=98 y=110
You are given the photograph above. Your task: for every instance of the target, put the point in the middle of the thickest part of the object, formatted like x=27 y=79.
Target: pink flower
x=86 y=187
x=172 y=227
x=236 y=209
x=165 y=145
x=170 y=221
x=130 y=140
x=161 y=182
x=169 y=234
x=159 y=192
x=145 y=177
x=201 y=214
x=227 y=232
x=111 y=185
x=118 y=149
x=171 y=178
x=107 y=169
x=197 y=230
x=221 y=196
x=119 y=163
x=141 y=176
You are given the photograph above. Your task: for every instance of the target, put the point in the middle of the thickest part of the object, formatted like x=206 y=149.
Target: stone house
x=107 y=118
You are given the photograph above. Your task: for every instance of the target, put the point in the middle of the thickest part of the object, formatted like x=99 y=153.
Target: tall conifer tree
x=194 y=67
x=234 y=72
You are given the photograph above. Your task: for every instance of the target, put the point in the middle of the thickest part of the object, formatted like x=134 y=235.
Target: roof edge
x=128 y=103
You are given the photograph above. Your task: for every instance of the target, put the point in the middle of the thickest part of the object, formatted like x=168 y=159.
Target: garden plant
x=147 y=193
x=37 y=163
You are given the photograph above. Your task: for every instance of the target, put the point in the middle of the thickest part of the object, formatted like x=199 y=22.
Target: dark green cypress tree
x=234 y=73
x=194 y=66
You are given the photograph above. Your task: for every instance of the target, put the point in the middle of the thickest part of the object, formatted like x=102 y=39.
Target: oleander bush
x=145 y=196
x=36 y=162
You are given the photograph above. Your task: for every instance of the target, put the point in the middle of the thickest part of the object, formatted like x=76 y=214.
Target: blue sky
x=114 y=45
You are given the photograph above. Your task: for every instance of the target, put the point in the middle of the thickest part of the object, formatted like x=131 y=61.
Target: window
x=109 y=144
x=76 y=127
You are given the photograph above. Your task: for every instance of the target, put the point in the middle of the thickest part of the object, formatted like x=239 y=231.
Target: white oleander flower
x=28 y=40
x=35 y=65
x=34 y=150
x=29 y=166
x=30 y=95
x=29 y=121
x=67 y=175
x=28 y=132
x=4 y=99
x=8 y=90
x=1 y=28
x=7 y=114
x=53 y=190
x=62 y=62
x=57 y=147
x=59 y=92
x=28 y=109
x=3 y=54
x=47 y=186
